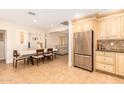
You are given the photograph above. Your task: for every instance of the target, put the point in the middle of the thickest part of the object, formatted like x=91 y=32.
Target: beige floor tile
x=54 y=72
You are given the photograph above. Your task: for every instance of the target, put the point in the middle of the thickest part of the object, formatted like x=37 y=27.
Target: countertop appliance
x=83 y=50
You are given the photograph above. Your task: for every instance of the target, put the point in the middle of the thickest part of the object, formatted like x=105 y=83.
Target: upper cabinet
x=77 y=27
x=84 y=25
x=88 y=25
x=115 y=27
x=122 y=27
x=103 y=29
x=111 y=28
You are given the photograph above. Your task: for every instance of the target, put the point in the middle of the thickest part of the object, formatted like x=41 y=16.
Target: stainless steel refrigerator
x=83 y=50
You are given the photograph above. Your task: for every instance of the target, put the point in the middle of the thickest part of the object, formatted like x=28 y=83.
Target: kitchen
x=108 y=41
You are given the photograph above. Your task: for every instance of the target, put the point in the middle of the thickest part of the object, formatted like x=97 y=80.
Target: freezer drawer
x=83 y=62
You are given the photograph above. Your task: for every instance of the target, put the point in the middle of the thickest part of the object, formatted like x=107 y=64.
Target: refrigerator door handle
x=86 y=56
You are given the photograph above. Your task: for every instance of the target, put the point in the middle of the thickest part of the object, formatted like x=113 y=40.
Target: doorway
x=2 y=46
x=58 y=40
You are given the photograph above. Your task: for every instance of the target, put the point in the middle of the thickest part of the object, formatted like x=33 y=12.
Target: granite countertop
x=117 y=51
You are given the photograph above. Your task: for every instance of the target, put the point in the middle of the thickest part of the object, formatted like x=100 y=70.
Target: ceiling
x=44 y=18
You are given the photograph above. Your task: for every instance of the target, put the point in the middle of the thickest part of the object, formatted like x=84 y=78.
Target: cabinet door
x=122 y=27
x=115 y=28
x=120 y=64
x=77 y=27
x=88 y=25
x=103 y=29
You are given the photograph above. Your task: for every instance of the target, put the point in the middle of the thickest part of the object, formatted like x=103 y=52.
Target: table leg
x=55 y=55
x=32 y=60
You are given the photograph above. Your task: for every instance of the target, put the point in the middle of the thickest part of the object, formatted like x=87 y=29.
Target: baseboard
x=112 y=74
x=62 y=54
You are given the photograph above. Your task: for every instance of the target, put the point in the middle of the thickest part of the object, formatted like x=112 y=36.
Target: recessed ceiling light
x=51 y=25
x=34 y=20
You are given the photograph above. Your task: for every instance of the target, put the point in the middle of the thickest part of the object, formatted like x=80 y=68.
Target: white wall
x=40 y=38
x=53 y=39
x=11 y=36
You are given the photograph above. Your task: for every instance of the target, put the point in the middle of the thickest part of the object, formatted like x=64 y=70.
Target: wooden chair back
x=40 y=52
x=50 y=50
x=15 y=53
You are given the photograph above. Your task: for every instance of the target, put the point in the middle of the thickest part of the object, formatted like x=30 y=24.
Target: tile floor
x=54 y=72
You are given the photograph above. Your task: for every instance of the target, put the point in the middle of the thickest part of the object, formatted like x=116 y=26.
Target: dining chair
x=17 y=57
x=39 y=55
x=49 y=54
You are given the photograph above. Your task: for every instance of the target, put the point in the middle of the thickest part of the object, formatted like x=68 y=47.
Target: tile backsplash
x=111 y=44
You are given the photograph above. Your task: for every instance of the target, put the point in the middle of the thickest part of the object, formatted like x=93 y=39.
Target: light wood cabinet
x=88 y=25
x=77 y=27
x=110 y=62
x=122 y=27
x=120 y=64
x=103 y=29
x=115 y=27
x=83 y=25
x=104 y=67
x=99 y=53
x=111 y=28
x=108 y=27
x=105 y=61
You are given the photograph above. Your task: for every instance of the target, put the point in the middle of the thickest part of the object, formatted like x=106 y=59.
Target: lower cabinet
x=105 y=61
x=110 y=62
x=104 y=67
x=120 y=64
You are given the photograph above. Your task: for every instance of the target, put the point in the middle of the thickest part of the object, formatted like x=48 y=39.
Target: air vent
x=31 y=13
x=65 y=23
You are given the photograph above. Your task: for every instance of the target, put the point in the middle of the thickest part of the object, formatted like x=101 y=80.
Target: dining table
x=29 y=52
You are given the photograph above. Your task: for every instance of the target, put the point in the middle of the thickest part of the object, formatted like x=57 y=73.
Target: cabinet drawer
x=109 y=60
x=107 y=54
x=107 y=68
x=99 y=53
x=99 y=58
x=105 y=60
